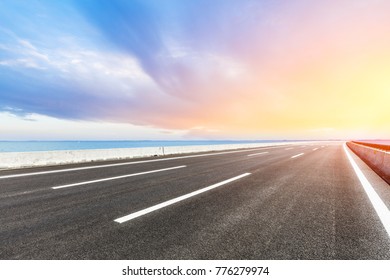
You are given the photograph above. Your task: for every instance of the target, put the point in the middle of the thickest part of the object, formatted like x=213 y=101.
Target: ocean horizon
x=35 y=146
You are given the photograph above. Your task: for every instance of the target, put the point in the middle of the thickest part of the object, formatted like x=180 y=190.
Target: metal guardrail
x=373 y=145
x=376 y=156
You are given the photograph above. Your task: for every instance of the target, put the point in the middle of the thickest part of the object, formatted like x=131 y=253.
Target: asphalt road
x=285 y=202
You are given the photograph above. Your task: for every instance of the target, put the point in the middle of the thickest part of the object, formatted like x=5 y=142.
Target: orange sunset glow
x=236 y=70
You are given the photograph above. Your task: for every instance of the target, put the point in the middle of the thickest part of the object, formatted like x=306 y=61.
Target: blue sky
x=173 y=69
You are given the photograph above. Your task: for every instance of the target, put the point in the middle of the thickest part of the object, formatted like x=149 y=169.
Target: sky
x=194 y=69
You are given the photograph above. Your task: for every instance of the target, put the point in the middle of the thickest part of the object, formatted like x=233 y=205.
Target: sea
x=33 y=146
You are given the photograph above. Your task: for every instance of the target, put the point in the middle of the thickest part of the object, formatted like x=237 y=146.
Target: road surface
x=281 y=202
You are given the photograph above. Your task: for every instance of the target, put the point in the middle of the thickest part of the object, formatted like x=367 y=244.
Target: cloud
x=38 y=127
x=69 y=81
x=227 y=66
x=151 y=77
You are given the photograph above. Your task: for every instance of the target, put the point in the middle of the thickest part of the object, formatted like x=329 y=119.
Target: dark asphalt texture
x=309 y=207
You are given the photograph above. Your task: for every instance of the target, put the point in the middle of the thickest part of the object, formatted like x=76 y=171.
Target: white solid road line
x=315 y=149
x=130 y=163
x=175 y=200
x=251 y=155
x=298 y=155
x=117 y=177
x=379 y=206
x=289 y=148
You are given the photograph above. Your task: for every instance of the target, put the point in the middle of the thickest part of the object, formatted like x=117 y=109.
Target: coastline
x=13 y=160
